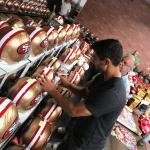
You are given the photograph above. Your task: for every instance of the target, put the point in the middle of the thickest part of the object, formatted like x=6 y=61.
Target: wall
x=126 y=20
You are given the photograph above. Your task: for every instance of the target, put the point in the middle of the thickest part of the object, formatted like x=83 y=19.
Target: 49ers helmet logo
x=44 y=43
x=24 y=48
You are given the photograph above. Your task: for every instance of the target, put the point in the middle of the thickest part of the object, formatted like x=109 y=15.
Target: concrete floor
x=126 y=20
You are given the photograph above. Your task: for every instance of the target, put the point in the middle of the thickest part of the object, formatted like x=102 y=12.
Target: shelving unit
x=21 y=68
x=32 y=60
x=10 y=69
x=23 y=12
x=58 y=48
x=3 y=77
x=13 y=68
x=6 y=70
x=2 y=73
x=41 y=56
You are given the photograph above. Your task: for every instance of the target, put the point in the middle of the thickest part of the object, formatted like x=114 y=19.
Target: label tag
x=42 y=123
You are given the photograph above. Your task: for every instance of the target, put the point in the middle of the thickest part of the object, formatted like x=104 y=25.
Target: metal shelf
x=13 y=68
x=32 y=60
x=2 y=73
x=10 y=69
x=3 y=77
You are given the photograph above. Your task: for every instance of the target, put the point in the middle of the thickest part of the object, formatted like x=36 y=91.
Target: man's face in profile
x=126 y=65
x=99 y=64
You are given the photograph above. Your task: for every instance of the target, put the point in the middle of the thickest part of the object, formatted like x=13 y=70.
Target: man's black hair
x=109 y=48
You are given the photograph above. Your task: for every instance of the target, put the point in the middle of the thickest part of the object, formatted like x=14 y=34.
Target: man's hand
x=46 y=84
x=64 y=82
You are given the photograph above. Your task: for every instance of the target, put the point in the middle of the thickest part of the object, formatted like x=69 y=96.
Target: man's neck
x=113 y=72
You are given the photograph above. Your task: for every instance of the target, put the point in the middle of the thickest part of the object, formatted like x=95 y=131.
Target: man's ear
x=107 y=61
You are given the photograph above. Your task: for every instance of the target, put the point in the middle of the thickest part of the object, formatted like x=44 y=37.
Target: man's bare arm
x=78 y=90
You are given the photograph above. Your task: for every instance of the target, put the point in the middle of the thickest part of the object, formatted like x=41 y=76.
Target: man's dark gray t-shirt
x=106 y=101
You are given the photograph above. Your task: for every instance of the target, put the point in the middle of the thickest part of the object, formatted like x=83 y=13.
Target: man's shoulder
x=116 y=91
x=98 y=76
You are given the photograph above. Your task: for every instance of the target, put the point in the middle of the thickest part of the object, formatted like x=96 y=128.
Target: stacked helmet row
x=20 y=37
x=35 y=7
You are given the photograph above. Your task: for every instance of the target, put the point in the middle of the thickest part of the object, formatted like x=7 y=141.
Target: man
x=54 y=6
x=80 y=3
x=59 y=7
x=127 y=65
x=77 y=6
x=104 y=96
x=65 y=8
